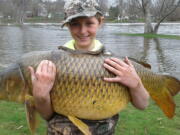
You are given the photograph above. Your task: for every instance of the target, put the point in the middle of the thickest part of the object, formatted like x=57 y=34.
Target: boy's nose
x=83 y=29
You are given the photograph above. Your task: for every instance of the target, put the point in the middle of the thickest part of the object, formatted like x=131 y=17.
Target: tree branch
x=162 y=19
x=160 y=11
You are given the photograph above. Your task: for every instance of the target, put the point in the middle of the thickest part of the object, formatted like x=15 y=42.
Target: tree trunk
x=156 y=27
x=120 y=8
x=147 y=26
x=20 y=14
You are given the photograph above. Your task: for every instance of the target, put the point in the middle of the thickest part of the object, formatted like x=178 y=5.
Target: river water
x=162 y=54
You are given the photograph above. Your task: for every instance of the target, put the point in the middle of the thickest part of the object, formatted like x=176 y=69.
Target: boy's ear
x=101 y=21
x=67 y=25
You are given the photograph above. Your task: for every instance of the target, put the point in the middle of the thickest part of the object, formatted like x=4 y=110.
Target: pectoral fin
x=81 y=125
x=31 y=114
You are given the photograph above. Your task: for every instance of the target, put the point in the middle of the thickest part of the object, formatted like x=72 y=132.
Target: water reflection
x=162 y=54
x=161 y=60
x=154 y=53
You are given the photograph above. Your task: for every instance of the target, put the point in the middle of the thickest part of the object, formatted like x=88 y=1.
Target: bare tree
x=120 y=7
x=7 y=8
x=35 y=7
x=175 y=15
x=146 y=4
x=60 y=6
x=134 y=9
x=20 y=10
x=118 y=11
x=153 y=10
x=161 y=9
x=103 y=5
x=164 y=8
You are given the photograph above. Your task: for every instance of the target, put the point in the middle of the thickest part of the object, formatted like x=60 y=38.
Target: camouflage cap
x=80 y=8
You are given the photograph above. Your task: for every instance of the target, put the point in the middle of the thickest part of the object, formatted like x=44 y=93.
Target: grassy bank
x=132 y=121
x=151 y=35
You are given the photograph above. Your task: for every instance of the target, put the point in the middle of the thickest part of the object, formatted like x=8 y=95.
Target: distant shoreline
x=58 y=21
x=59 y=24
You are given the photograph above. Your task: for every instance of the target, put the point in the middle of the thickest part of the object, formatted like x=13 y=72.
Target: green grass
x=13 y=120
x=152 y=35
x=132 y=121
x=148 y=122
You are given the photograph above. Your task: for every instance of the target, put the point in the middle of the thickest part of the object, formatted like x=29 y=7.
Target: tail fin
x=173 y=85
x=164 y=99
x=12 y=84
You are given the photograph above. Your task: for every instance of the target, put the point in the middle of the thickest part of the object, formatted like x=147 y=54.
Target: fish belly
x=81 y=91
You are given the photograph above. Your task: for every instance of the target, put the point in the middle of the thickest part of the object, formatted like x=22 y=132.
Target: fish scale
x=87 y=92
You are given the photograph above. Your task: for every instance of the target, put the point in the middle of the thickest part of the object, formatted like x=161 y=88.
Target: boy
x=83 y=19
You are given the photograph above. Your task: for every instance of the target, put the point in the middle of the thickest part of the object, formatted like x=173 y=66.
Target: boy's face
x=83 y=30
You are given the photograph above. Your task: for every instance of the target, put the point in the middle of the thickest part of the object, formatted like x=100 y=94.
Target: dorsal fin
x=146 y=65
x=81 y=51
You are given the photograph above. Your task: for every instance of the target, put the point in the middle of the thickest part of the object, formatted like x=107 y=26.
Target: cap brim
x=82 y=14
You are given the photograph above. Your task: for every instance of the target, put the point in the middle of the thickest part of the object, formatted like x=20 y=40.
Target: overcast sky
x=110 y=1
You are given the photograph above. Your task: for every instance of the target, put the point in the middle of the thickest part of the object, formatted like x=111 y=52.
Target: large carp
x=79 y=90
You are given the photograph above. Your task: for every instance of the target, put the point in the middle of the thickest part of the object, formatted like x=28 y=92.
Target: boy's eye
x=77 y=24
x=89 y=23
x=74 y=24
